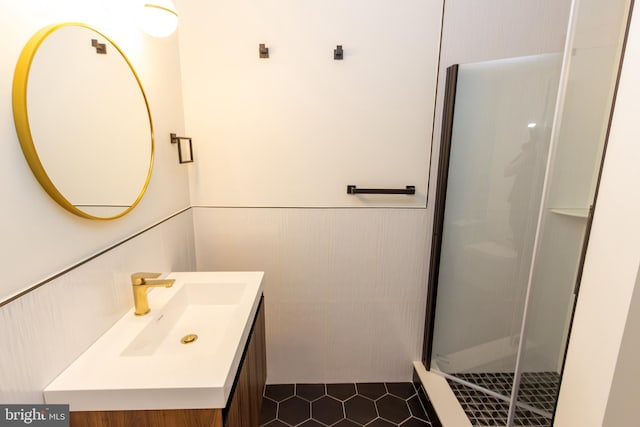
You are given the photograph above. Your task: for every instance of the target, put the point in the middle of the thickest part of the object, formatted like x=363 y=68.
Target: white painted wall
x=612 y=261
x=40 y=238
x=297 y=128
x=622 y=405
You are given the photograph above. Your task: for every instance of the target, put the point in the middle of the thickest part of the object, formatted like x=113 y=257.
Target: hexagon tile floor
x=344 y=405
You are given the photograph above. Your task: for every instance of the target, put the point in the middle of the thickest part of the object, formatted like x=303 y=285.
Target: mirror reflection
x=83 y=121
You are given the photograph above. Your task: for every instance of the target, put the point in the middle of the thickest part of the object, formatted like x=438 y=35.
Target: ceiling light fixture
x=159 y=18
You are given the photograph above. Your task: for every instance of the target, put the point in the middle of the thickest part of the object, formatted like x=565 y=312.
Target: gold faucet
x=140 y=285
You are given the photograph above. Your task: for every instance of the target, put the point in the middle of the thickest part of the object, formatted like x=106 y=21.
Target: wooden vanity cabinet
x=243 y=406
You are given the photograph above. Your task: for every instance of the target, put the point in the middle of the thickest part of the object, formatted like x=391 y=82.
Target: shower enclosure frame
x=439 y=214
x=436 y=246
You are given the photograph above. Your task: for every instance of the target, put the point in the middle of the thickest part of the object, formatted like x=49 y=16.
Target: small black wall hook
x=101 y=48
x=263 y=50
x=338 y=54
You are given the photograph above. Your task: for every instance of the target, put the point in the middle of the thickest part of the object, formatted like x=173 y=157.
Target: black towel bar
x=352 y=189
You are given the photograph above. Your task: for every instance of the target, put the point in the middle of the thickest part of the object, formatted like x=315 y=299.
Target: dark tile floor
x=344 y=405
x=537 y=390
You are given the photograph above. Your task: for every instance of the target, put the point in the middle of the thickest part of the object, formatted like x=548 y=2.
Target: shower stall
x=522 y=144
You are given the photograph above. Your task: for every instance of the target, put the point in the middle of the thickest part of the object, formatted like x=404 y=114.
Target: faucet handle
x=139 y=278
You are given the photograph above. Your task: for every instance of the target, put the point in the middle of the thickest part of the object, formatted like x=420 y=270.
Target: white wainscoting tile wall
x=43 y=331
x=345 y=289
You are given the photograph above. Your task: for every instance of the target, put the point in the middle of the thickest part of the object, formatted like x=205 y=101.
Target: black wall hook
x=263 y=50
x=338 y=54
x=101 y=48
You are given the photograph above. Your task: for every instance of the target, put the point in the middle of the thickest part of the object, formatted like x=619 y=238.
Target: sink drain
x=188 y=339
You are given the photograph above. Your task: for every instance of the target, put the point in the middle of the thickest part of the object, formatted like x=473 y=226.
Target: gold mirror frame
x=21 y=119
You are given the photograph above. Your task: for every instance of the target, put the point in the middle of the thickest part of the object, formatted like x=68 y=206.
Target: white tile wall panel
x=345 y=289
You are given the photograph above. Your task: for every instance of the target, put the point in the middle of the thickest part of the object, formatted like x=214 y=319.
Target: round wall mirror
x=83 y=121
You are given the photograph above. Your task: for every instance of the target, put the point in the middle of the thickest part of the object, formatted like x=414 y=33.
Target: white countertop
x=140 y=364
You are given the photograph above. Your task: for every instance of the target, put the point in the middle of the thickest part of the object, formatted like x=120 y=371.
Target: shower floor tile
x=359 y=404
x=537 y=389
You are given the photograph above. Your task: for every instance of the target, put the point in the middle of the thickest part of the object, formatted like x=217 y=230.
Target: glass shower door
x=516 y=192
x=499 y=147
x=581 y=129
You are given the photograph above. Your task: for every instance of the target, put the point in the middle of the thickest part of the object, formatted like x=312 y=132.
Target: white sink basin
x=204 y=309
x=141 y=362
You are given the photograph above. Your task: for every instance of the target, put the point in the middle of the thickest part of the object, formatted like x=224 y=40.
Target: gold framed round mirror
x=83 y=121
